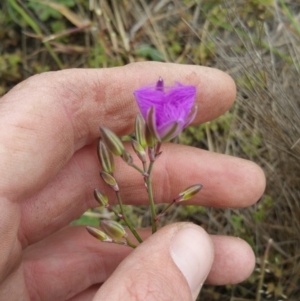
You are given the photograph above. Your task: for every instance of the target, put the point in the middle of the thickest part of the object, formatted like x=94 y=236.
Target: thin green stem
x=122 y=243
x=262 y=270
x=130 y=243
x=145 y=167
x=137 y=168
x=126 y=220
x=151 y=199
x=157 y=149
x=165 y=210
x=290 y=16
x=117 y=214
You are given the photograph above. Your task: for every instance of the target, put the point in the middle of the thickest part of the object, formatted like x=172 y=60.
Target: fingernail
x=192 y=252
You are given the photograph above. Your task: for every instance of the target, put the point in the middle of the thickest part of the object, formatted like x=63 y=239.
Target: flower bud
x=188 y=193
x=101 y=197
x=170 y=131
x=150 y=139
x=98 y=234
x=151 y=154
x=139 y=150
x=112 y=141
x=160 y=84
x=125 y=138
x=113 y=229
x=106 y=157
x=151 y=123
x=126 y=156
x=109 y=180
x=140 y=129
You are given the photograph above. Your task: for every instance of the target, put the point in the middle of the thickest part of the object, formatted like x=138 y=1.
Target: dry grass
x=257 y=43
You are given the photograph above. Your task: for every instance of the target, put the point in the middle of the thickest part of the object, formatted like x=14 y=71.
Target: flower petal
x=170 y=130
x=166 y=110
x=191 y=116
x=180 y=101
x=147 y=97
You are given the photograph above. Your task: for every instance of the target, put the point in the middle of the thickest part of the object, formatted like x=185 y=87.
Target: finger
x=227 y=182
x=10 y=247
x=73 y=250
x=86 y=295
x=228 y=249
x=68 y=263
x=172 y=264
x=59 y=112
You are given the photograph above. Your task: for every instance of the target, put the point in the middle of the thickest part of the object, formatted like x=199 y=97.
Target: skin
x=50 y=125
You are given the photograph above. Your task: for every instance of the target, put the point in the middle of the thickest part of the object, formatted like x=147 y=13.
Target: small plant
x=165 y=112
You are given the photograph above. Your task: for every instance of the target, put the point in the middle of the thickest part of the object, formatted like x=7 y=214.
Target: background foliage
x=255 y=41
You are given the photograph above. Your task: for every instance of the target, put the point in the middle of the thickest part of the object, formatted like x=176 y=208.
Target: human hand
x=49 y=127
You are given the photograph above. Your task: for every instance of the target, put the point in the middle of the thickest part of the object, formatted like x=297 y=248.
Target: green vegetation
x=255 y=41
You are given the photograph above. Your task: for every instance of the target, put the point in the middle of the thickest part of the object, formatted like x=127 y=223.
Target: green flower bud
x=170 y=131
x=140 y=130
x=150 y=139
x=112 y=141
x=125 y=138
x=101 y=197
x=113 y=229
x=98 y=234
x=106 y=157
x=109 y=180
x=188 y=193
x=151 y=126
x=139 y=150
x=126 y=156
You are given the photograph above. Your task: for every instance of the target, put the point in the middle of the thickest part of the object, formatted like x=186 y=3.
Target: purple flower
x=167 y=111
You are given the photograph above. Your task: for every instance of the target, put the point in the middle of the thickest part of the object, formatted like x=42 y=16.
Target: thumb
x=170 y=265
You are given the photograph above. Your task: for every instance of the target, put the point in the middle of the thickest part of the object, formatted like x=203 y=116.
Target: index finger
x=49 y=116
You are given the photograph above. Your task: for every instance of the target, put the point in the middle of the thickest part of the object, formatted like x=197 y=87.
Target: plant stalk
x=130 y=243
x=151 y=199
x=126 y=220
x=262 y=271
x=137 y=168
